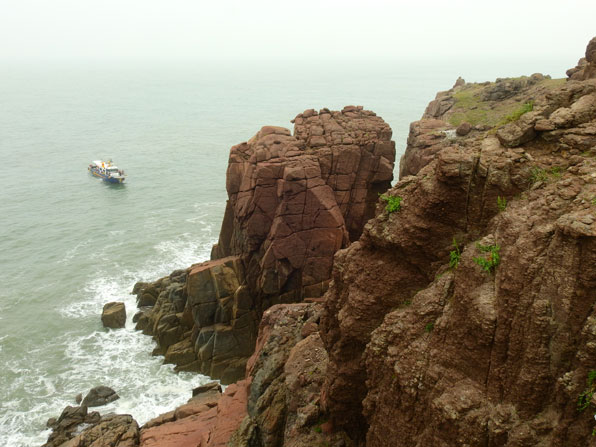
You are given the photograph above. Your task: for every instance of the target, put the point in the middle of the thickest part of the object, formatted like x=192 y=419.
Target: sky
x=191 y=31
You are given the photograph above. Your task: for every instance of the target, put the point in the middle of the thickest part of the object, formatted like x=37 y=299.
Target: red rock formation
x=293 y=202
x=207 y=420
x=485 y=353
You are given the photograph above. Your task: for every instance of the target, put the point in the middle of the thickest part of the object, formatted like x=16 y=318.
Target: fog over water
x=135 y=31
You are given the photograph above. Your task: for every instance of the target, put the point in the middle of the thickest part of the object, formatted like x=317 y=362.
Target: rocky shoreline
x=456 y=309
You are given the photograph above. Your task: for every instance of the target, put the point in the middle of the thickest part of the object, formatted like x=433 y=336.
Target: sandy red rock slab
x=199 y=424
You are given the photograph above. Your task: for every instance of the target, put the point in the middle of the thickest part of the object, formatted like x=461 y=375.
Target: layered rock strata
x=294 y=200
x=467 y=316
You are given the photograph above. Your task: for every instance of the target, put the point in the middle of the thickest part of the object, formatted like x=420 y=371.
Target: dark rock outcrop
x=294 y=200
x=77 y=428
x=113 y=315
x=286 y=373
x=100 y=395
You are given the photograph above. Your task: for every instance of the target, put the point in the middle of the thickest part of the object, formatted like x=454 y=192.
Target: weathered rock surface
x=286 y=373
x=421 y=354
x=77 y=428
x=455 y=113
x=113 y=315
x=100 y=395
x=207 y=420
x=586 y=67
x=294 y=200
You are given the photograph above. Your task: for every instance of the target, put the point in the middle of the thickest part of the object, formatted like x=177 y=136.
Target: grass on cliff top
x=469 y=105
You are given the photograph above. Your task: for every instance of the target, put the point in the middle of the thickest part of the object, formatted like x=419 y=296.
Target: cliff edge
x=466 y=315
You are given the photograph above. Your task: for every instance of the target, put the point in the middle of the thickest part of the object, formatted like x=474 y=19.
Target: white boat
x=106 y=171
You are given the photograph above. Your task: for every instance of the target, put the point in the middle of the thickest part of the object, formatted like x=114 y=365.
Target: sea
x=69 y=243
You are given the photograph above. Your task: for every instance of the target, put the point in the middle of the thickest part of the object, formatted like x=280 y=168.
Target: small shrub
x=454 y=256
x=501 y=203
x=594 y=201
x=488 y=264
x=585 y=398
x=537 y=175
x=429 y=327
x=393 y=203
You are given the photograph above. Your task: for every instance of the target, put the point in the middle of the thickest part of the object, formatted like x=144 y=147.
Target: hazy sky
x=195 y=30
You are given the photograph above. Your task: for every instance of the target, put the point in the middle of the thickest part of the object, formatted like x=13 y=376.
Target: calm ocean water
x=70 y=243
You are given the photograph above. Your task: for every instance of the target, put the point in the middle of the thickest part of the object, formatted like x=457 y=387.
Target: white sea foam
x=118 y=358
x=72 y=252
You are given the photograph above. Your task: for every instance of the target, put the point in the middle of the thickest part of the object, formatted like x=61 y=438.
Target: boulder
x=208 y=387
x=463 y=129
x=70 y=422
x=113 y=315
x=586 y=66
x=100 y=395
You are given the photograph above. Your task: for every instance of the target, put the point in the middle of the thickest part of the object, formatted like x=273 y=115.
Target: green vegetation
x=555 y=171
x=501 y=203
x=429 y=327
x=393 y=203
x=454 y=255
x=585 y=398
x=517 y=113
x=538 y=174
x=470 y=106
x=594 y=201
x=488 y=264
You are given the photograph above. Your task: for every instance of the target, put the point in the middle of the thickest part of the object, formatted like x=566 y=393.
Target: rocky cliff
x=294 y=200
x=466 y=316
x=461 y=314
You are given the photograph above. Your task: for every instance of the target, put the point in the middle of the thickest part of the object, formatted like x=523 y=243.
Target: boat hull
x=106 y=178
